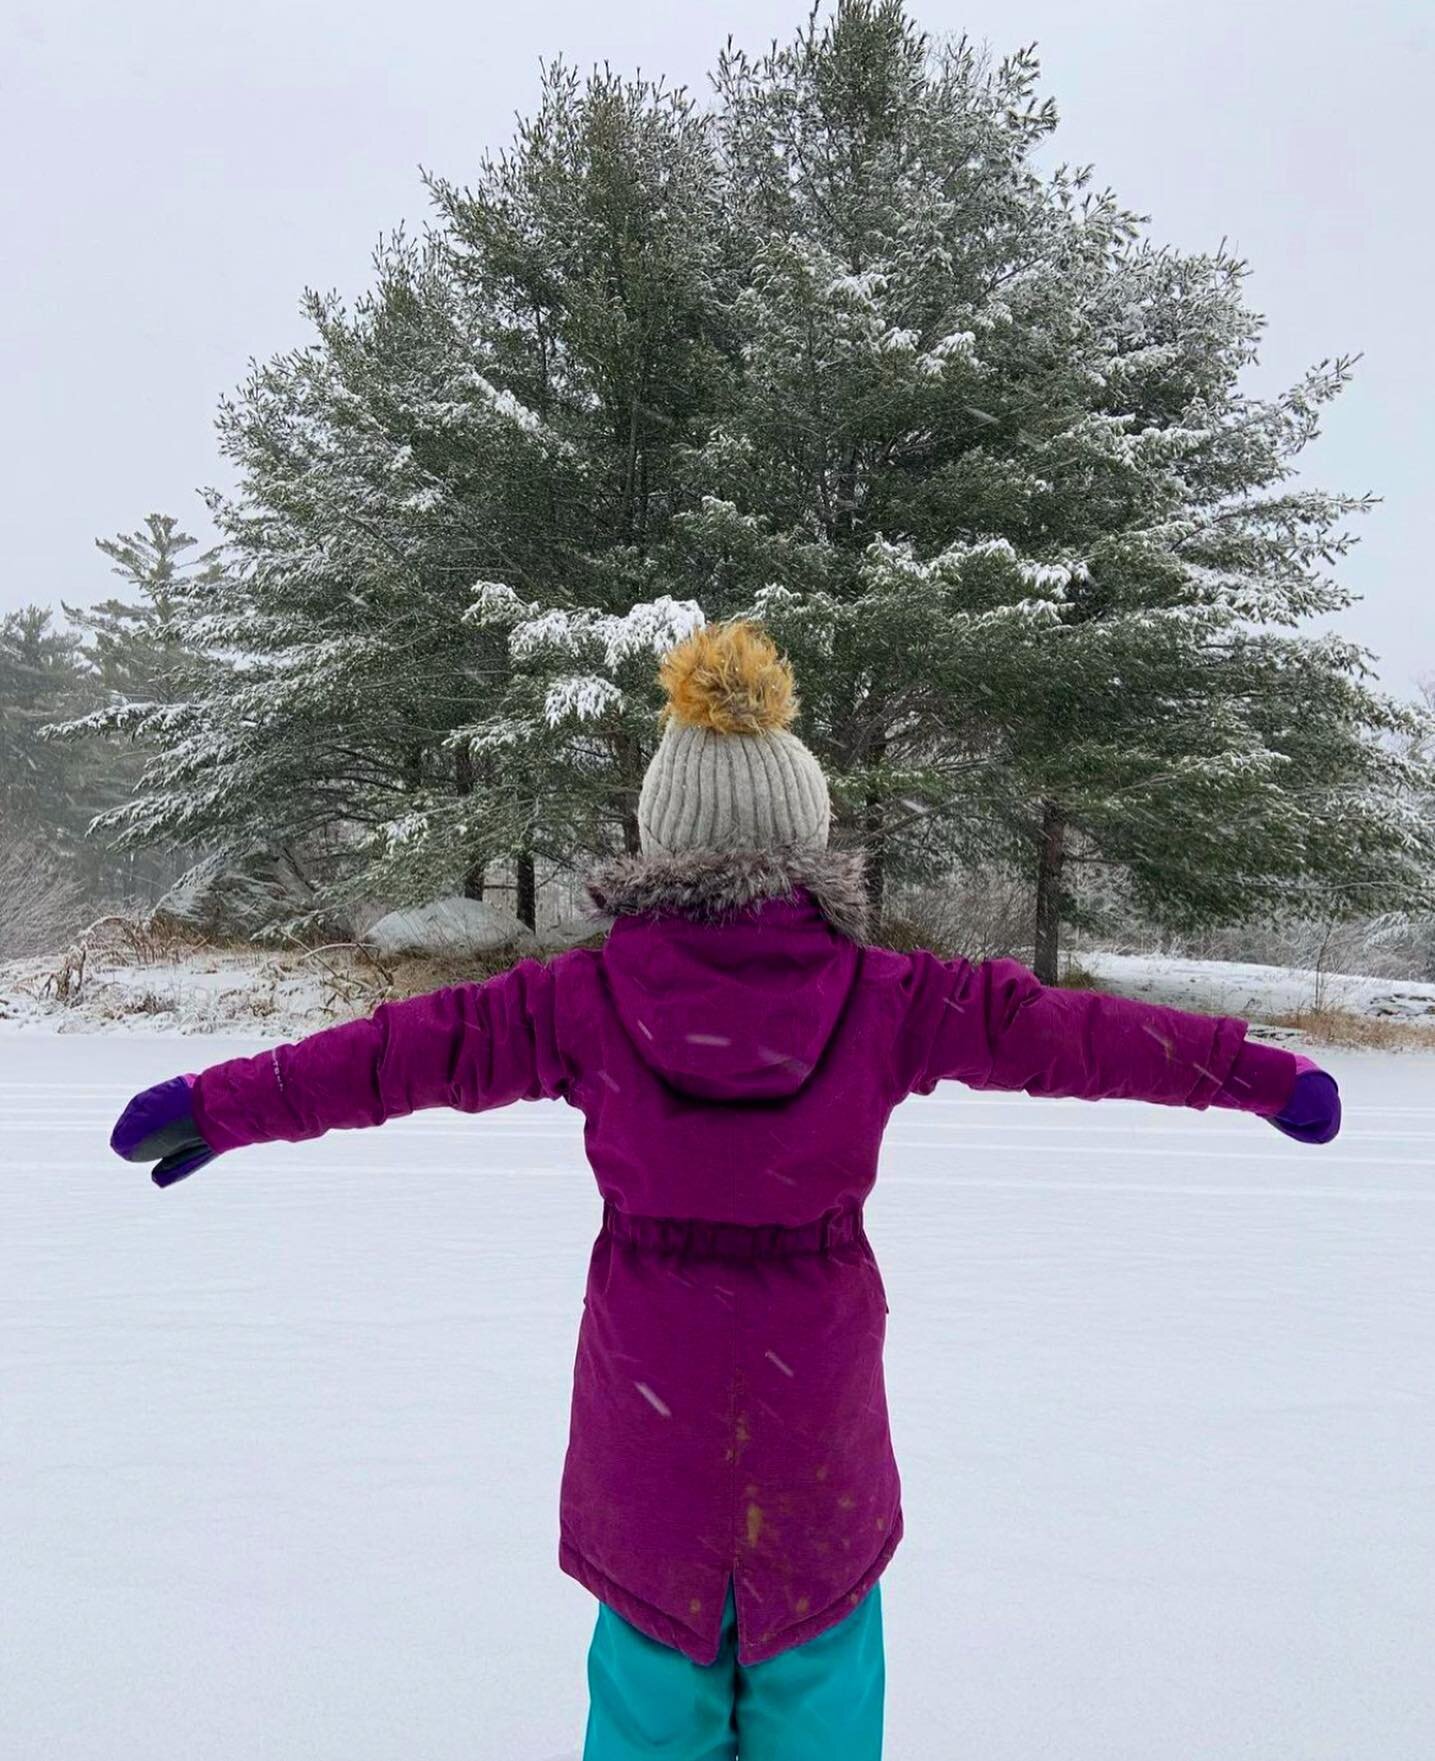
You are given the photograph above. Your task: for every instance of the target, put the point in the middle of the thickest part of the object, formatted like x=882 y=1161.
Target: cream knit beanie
x=727 y=774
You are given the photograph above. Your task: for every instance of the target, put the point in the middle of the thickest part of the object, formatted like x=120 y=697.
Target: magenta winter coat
x=736 y=1053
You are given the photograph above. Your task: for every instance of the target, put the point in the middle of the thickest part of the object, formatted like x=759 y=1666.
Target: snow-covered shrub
x=980 y=914
x=228 y=897
x=1380 y=947
x=41 y=902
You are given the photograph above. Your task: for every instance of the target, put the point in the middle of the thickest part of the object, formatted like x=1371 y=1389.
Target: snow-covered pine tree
x=51 y=789
x=136 y=643
x=498 y=424
x=41 y=678
x=340 y=662
x=578 y=712
x=993 y=475
x=843 y=354
x=596 y=248
x=137 y=660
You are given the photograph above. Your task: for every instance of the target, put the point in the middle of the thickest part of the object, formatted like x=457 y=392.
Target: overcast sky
x=177 y=171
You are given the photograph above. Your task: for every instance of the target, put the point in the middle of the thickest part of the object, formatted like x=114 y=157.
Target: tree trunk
x=874 y=838
x=628 y=761
x=1051 y=853
x=473 y=874
x=526 y=887
x=876 y=873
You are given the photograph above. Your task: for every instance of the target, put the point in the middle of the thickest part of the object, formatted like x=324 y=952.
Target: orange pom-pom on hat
x=728 y=773
x=730 y=678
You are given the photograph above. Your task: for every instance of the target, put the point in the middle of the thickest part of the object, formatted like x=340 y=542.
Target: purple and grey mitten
x=1312 y=1114
x=159 y=1126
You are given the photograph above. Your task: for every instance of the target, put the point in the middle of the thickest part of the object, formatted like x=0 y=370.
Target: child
x=736 y=1049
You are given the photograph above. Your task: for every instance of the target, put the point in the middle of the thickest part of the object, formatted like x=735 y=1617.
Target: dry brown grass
x=357 y=979
x=1375 y=1033
x=1075 y=977
x=905 y=935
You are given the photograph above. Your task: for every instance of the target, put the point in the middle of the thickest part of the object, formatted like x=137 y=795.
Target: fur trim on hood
x=708 y=884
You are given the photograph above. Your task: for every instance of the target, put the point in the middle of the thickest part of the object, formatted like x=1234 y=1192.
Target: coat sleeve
x=470 y=1046
x=996 y=1026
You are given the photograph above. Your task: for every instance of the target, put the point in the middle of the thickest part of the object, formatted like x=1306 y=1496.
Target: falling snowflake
x=658 y=1405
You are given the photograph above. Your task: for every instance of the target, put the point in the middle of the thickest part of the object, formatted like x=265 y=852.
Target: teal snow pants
x=821 y=1701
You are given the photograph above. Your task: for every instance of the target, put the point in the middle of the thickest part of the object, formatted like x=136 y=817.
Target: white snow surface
x=1257 y=992
x=280 y=1447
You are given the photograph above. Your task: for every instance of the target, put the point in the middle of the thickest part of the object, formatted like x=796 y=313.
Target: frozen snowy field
x=279 y=1449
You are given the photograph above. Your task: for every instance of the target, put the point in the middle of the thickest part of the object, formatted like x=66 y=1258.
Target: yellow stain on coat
x=754 y=1524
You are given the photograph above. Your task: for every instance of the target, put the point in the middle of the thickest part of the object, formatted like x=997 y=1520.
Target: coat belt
x=707 y=1239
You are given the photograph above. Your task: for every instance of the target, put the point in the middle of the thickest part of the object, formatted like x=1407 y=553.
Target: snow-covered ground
x=1231 y=987
x=285 y=993
x=279 y=1449
x=280 y=995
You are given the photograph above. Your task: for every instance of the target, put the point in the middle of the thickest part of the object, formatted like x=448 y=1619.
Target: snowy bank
x=1258 y=993
x=278 y=994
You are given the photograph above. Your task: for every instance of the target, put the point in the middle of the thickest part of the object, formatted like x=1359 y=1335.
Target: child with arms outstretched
x=736 y=1049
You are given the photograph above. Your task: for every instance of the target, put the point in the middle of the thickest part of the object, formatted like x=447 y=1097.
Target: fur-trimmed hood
x=707 y=885
x=730 y=972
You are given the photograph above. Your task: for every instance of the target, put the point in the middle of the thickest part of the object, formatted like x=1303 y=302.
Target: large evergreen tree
x=486 y=444
x=840 y=353
x=339 y=660
x=994 y=476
